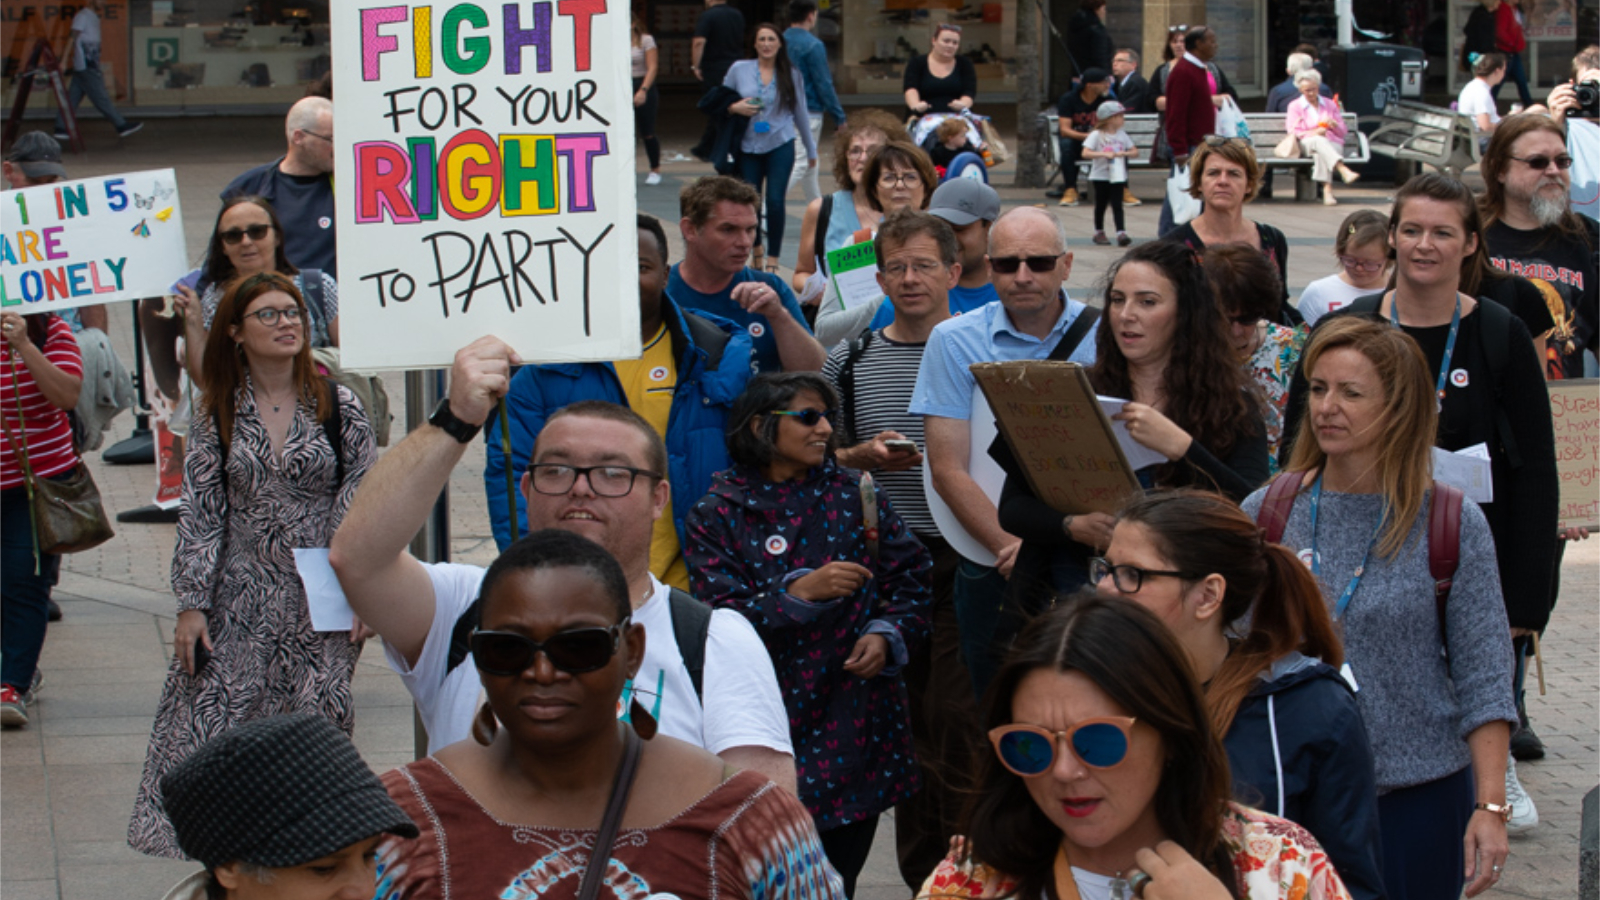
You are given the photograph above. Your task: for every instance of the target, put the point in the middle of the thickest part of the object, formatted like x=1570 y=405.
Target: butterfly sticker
x=162 y=192
x=143 y=202
x=141 y=229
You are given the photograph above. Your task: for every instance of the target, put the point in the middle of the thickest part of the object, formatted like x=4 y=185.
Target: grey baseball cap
x=37 y=154
x=962 y=201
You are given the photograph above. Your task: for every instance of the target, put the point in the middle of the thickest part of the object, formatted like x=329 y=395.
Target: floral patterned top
x=1275 y=860
x=1272 y=368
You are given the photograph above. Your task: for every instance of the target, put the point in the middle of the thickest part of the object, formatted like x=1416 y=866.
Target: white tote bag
x=1184 y=206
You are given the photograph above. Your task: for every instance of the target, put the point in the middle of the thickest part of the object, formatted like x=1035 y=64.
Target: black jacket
x=1135 y=94
x=730 y=128
x=1088 y=41
x=1298 y=749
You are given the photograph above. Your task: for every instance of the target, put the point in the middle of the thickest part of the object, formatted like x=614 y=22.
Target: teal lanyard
x=1449 y=346
x=1316 y=559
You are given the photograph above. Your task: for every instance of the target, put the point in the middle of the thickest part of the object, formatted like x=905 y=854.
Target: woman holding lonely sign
x=774 y=100
x=275 y=454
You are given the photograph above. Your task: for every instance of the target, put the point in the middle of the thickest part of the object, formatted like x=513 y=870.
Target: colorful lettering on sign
x=521 y=174
x=101 y=276
x=463 y=44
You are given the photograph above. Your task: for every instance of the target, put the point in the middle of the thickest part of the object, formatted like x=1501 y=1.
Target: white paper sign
x=330 y=611
x=484 y=173
x=984 y=470
x=1468 y=469
x=1138 y=454
x=92 y=241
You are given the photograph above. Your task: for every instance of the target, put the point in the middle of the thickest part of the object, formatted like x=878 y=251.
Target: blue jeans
x=773 y=169
x=1165 y=224
x=980 y=594
x=91 y=82
x=24 y=593
x=1515 y=72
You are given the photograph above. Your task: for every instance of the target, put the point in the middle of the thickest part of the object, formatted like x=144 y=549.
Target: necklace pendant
x=1120 y=889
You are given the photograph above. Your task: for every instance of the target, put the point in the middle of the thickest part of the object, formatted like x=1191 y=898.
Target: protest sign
x=1059 y=434
x=91 y=241
x=1575 y=412
x=484 y=176
x=855 y=274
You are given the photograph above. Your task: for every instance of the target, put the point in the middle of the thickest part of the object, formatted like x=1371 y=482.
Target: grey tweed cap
x=277 y=792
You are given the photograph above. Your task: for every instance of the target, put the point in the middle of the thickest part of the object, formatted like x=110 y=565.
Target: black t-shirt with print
x=1560 y=264
x=1078 y=111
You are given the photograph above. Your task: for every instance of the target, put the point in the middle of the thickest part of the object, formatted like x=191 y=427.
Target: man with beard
x=1531 y=230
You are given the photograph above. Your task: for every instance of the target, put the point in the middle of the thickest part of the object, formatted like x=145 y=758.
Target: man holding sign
x=1030 y=262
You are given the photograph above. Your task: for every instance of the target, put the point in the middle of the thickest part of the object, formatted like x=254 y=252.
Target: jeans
x=644 y=123
x=1516 y=72
x=1165 y=224
x=771 y=169
x=1422 y=828
x=980 y=595
x=24 y=594
x=803 y=172
x=91 y=82
x=1071 y=155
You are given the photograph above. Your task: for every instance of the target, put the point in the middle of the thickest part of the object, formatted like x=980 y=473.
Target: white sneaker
x=653 y=178
x=1524 y=815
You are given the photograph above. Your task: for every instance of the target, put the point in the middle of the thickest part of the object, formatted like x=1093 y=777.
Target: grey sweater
x=1418 y=705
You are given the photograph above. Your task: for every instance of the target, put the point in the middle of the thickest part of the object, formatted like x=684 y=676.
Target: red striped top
x=49 y=433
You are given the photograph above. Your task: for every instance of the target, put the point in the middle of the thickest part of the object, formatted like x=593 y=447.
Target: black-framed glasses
x=923 y=267
x=1029 y=750
x=1362 y=265
x=269 y=317
x=326 y=137
x=808 y=417
x=1008 y=265
x=890 y=179
x=256 y=233
x=1217 y=140
x=1540 y=163
x=605 y=481
x=1128 y=579
x=574 y=652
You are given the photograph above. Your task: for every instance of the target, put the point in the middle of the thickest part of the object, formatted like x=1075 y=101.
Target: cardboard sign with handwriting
x=1575 y=412
x=1047 y=411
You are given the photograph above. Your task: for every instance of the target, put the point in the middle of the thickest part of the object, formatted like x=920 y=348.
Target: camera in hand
x=1588 y=98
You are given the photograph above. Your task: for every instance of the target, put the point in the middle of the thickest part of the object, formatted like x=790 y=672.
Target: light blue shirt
x=810 y=56
x=945 y=382
x=780 y=124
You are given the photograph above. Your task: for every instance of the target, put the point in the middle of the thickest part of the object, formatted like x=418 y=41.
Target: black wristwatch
x=446 y=421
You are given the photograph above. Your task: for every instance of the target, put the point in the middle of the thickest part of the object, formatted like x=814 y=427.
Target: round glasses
x=269 y=317
x=1362 y=265
x=1030 y=751
x=890 y=179
x=605 y=481
x=574 y=652
x=1128 y=579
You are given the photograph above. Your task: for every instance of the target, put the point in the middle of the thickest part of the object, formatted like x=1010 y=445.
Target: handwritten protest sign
x=1575 y=411
x=484 y=172
x=92 y=241
x=1059 y=433
x=855 y=274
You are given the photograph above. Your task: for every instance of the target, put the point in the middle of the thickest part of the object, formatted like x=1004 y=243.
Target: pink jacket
x=1303 y=120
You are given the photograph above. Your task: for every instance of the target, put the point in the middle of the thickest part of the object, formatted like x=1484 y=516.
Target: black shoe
x=129 y=128
x=55 y=613
x=1525 y=745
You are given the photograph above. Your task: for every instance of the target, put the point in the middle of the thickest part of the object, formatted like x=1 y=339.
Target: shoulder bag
x=66 y=512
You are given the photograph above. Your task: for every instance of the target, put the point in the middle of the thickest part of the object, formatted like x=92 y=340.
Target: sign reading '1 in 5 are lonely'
x=81 y=243
x=484 y=172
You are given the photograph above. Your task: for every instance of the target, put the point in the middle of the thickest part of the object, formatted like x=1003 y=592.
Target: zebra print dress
x=234 y=558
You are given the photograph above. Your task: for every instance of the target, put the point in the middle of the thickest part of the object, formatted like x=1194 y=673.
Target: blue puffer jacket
x=713 y=361
x=1299 y=750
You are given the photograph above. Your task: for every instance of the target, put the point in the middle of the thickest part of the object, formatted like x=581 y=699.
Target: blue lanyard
x=1316 y=559
x=1449 y=345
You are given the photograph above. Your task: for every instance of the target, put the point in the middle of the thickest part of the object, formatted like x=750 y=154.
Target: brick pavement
x=67 y=782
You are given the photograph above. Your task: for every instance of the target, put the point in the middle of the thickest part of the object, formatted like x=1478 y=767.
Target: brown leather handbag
x=67 y=514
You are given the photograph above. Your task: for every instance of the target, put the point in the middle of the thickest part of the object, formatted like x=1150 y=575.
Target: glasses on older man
x=1540 y=163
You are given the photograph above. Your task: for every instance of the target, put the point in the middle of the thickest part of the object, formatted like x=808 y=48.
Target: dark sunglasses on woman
x=574 y=652
x=1029 y=750
x=808 y=417
x=256 y=233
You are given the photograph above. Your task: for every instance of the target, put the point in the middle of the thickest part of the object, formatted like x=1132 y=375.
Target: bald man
x=299 y=185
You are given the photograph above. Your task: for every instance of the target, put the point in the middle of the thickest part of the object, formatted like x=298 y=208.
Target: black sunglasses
x=232 y=236
x=808 y=417
x=574 y=652
x=1008 y=265
x=1540 y=163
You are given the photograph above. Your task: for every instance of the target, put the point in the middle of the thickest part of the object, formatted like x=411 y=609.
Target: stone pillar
x=1159 y=15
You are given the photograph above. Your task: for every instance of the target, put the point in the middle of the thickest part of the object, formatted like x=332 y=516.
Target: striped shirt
x=885 y=376
x=49 y=435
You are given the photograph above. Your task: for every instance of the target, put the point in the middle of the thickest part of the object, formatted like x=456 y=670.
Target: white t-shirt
x=87 y=51
x=1475 y=99
x=1090 y=886
x=641 y=67
x=1112 y=170
x=743 y=706
x=1325 y=295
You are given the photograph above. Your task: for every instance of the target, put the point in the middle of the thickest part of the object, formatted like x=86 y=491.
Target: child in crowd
x=1108 y=148
x=949 y=141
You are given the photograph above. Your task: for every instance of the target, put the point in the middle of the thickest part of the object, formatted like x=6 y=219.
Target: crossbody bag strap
x=27 y=465
x=600 y=859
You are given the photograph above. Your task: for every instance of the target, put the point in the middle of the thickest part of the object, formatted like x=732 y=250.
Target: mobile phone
x=201 y=655
x=901 y=446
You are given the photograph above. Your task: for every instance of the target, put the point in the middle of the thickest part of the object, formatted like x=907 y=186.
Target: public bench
x=1415 y=133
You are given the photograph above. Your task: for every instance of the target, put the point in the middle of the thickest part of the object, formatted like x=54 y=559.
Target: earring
x=644 y=724
x=484 y=726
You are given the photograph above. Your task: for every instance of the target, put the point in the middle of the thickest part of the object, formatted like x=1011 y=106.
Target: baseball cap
x=1108 y=109
x=37 y=154
x=1095 y=76
x=962 y=201
x=277 y=792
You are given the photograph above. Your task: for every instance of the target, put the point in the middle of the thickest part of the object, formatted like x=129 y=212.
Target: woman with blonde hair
x=1355 y=501
x=275 y=454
